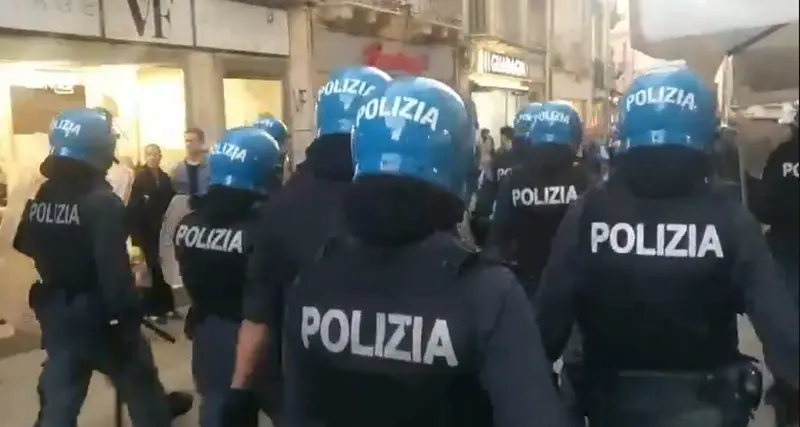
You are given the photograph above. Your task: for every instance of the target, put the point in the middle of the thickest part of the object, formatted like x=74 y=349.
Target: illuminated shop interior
x=497 y=107
x=147 y=101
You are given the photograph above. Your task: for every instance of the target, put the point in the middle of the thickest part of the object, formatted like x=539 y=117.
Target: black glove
x=785 y=400
x=180 y=403
x=123 y=332
x=240 y=409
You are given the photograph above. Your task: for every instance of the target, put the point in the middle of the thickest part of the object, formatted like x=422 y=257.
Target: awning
x=763 y=37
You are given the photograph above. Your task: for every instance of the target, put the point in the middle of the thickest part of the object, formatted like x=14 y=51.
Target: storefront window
x=147 y=103
x=246 y=99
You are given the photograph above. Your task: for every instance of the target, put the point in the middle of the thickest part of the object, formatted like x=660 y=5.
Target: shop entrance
x=496 y=108
x=247 y=99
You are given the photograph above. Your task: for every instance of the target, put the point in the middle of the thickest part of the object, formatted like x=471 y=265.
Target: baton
x=164 y=335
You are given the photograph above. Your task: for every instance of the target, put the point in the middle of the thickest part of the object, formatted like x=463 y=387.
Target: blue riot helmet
x=243 y=159
x=339 y=99
x=522 y=123
x=667 y=106
x=83 y=134
x=557 y=122
x=274 y=127
x=417 y=128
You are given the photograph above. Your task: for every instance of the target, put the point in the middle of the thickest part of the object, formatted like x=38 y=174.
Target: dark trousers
x=213 y=361
x=159 y=299
x=77 y=344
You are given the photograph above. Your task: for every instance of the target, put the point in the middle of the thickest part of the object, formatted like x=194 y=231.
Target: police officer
x=86 y=302
x=295 y=224
x=500 y=166
x=211 y=246
x=414 y=330
x=654 y=265
x=533 y=199
x=774 y=201
x=278 y=131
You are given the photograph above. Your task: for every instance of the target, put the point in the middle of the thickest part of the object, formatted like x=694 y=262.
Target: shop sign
x=75 y=17
x=229 y=25
x=153 y=21
x=495 y=63
x=375 y=56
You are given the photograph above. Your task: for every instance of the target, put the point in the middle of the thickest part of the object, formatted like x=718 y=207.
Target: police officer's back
x=654 y=265
x=212 y=245
x=399 y=324
x=775 y=202
x=85 y=302
x=296 y=223
x=534 y=198
x=499 y=168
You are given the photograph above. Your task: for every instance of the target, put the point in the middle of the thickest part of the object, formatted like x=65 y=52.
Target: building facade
x=570 y=53
x=407 y=37
x=628 y=63
x=157 y=66
x=507 y=58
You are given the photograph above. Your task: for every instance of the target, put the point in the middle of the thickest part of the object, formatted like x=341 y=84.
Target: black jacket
x=150 y=197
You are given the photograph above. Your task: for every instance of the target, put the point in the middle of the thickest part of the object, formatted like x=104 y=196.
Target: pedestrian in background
x=487 y=147
x=151 y=194
x=190 y=176
x=506 y=134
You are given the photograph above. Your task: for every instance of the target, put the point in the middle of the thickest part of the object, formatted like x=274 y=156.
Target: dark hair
x=197 y=131
x=507 y=132
x=153 y=146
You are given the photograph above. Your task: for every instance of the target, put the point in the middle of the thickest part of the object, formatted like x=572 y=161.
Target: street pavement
x=18 y=374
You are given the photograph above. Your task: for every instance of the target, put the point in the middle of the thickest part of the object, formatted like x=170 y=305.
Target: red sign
x=374 y=56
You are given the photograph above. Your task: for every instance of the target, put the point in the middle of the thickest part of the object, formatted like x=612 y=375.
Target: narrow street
x=18 y=385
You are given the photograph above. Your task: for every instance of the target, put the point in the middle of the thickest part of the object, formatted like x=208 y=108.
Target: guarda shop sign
x=496 y=63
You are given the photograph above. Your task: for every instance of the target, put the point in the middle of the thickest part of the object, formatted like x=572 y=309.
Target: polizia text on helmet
x=661 y=95
x=404 y=107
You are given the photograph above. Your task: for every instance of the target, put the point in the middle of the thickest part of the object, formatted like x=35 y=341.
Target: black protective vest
x=502 y=164
x=539 y=202
x=657 y=295
x=213 y=262
x=783 y=235
x=55 y=228
x=387 y=338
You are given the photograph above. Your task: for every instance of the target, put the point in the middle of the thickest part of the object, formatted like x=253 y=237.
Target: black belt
x=40 y=290
x=740 y=383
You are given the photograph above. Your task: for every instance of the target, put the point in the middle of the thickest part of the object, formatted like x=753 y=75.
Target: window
x=537 y=24
x=509 y=26
x=477 y=17
x=147 y=103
